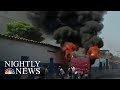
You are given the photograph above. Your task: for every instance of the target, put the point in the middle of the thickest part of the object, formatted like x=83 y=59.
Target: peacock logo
x=9 y=71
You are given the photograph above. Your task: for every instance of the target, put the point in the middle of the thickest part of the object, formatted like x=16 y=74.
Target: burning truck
x=79 y=59
x=72 y=30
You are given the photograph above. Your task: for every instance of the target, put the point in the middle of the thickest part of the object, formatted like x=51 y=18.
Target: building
x=106 y=54
x=103 y=61
x=12 y=48
x=9 y=16
x=16 y=49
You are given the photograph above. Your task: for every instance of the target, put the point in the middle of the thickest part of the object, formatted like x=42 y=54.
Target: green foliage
x=22 y=29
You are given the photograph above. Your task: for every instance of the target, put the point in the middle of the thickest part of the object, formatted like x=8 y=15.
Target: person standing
x=70 y=73
x=73 y=72
x=46 y=73
x=81 y=74
x=61 y=72
x=42 y=73
x=76 y=75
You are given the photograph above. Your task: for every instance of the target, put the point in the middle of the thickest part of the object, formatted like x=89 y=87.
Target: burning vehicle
x=82 y=61
x=73 y=30
x=82 y=65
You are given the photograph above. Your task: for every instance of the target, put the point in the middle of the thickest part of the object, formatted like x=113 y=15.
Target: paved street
x=111 y=78
x=107 y=74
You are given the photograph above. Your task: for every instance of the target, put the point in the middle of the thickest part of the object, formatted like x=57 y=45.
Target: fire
x=68 y=48
x=94 y=51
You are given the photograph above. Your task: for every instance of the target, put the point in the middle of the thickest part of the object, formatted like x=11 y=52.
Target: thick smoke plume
x=80 y=27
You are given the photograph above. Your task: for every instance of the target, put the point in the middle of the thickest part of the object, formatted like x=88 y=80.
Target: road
x=111 y=78
x=106 y=74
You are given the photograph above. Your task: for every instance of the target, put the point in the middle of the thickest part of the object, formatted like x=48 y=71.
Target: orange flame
x=94 y=51
x=68 y=48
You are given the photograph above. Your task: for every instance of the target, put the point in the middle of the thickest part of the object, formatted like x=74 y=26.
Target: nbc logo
x=9 y=71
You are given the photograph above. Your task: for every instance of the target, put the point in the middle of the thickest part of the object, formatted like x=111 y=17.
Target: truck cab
x=82 y=65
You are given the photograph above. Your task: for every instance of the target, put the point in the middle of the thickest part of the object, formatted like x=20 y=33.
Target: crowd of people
x=71 y=73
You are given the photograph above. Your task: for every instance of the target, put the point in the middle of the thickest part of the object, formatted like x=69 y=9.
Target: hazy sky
x=111 y=31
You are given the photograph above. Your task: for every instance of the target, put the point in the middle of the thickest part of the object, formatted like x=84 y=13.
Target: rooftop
x=26 y=40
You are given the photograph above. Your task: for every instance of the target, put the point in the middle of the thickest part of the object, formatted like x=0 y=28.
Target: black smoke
x=79 y=27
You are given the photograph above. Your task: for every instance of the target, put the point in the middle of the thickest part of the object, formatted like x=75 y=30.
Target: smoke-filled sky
x=111 y=32
x=79 y=27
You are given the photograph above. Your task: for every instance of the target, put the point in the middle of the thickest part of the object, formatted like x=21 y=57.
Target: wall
x=13 y=50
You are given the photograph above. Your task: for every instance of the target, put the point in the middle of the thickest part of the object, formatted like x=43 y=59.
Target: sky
x=111 y=32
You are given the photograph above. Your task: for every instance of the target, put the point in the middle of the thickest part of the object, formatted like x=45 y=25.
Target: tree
x=24 y=30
